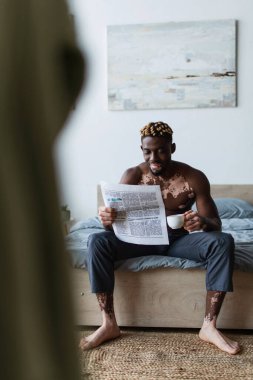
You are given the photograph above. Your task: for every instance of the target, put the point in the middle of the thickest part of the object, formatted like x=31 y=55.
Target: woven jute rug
x=166 y=354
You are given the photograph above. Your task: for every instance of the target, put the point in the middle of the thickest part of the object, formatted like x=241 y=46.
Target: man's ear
x=173 y=148
x=141 y=147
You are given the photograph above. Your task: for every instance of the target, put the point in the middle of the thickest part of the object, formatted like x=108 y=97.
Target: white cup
x=175 y=221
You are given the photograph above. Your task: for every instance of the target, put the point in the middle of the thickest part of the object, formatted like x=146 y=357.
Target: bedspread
x=240 y=229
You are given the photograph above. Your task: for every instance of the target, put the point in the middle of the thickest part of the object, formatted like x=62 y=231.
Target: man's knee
x=99 y=244
x=225 y=246
x=222 y=239
x=94 y=239
x=227 y=241
x=220 y=245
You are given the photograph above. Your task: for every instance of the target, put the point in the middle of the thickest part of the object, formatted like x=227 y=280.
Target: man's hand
x=107 y=215
x=193 y=221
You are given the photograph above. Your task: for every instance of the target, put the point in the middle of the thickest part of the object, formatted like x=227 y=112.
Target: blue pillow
x=233 y=208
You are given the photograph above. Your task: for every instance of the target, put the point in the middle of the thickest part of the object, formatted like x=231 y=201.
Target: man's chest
x=175 y=190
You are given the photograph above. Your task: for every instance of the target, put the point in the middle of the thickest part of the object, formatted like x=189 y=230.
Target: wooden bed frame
x=169 y=297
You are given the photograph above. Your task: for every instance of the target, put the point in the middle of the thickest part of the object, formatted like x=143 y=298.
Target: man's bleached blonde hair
x=158 y=128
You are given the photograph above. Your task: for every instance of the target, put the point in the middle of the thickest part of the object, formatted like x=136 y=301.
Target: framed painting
x=172 y=65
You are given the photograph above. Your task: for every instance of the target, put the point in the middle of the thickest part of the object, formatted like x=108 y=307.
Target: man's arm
x=206 y=217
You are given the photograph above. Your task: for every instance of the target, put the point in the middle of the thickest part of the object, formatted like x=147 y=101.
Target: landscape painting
x=172 y=65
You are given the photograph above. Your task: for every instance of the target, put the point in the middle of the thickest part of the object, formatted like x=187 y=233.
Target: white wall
x=100 y=144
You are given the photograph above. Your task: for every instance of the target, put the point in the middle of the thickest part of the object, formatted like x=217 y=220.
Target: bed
x=170 y=292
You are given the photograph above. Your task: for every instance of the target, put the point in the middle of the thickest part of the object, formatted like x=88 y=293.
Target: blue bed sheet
x=240 y=229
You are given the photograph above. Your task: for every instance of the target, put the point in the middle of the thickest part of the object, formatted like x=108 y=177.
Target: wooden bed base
x=169 y=297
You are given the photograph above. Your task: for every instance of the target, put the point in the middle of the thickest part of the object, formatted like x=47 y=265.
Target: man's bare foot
x=210 y=334
x=99 y=336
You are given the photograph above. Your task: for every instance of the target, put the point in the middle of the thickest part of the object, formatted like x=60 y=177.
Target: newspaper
x=141 y=217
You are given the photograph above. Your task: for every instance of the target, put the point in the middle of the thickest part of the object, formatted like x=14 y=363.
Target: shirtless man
x=181 y=185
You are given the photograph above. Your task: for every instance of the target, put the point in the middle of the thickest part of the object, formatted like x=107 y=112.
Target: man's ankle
x=209 y=323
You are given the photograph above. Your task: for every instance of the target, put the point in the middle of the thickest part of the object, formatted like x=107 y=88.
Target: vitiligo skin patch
x=214 y=302
x=105 y=301
x=175 y=185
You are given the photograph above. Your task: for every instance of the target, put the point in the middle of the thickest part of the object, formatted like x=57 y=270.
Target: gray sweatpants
x=214 y=249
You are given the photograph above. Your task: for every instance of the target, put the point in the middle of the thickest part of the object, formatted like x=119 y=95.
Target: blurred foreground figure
x=41 y=75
